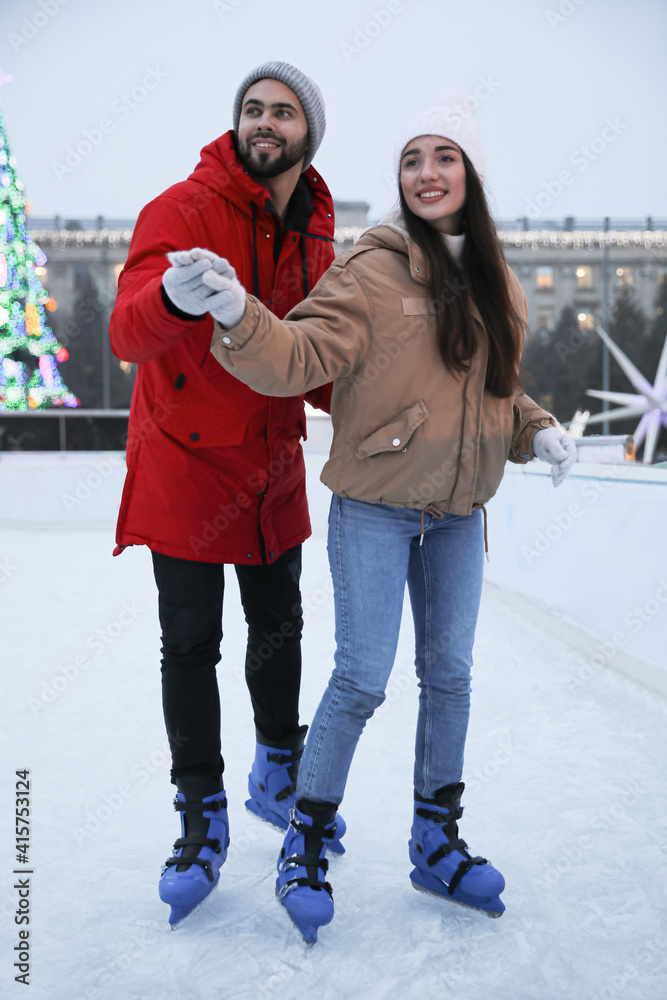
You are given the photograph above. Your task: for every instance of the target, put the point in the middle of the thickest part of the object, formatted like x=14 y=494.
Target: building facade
x=565 y=265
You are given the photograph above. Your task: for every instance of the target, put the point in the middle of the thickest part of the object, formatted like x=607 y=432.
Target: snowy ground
x=565 y=794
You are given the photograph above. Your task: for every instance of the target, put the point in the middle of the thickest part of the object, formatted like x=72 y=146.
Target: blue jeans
x=373 y=550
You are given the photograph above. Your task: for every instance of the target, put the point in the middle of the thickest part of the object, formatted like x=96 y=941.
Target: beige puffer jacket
x=407 y=432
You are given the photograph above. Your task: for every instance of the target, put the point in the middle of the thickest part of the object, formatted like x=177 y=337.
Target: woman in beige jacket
x=420 y=328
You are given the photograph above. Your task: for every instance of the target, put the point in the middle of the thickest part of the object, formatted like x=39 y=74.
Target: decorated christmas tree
x=29 y=352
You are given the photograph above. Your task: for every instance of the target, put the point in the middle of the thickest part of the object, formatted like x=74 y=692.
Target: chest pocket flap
x=203 y=427
x=418 y=307
x=396 y=434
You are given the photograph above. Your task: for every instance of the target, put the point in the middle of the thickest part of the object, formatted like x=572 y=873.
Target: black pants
x=190 y=609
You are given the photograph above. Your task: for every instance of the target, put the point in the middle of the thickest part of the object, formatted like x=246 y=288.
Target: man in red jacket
x=215 y=471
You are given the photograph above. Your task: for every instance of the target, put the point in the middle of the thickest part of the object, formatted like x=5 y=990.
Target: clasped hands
x=199 y=281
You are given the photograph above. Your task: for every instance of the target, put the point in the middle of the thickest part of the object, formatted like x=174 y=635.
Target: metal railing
x=62 y=415
x=574 y=224
x=58 y=223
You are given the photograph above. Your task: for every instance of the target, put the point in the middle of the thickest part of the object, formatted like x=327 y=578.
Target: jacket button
x=404 y=449
x=194 y=437
x=294 y=239
x=396 y=442
x=526 y=456
x=226 y=340
x=270 y=555
x=416 y=270
x=268 y=236
x=328 y=215
x=180 y=382
x=250 y=555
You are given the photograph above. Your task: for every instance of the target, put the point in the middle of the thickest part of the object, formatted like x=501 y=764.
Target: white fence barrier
x=587 y=560
x=593 y=554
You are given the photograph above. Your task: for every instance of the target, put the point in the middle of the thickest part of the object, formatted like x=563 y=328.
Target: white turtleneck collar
x=455 y=244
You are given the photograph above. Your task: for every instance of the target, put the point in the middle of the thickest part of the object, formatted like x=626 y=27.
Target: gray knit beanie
x=305 y=89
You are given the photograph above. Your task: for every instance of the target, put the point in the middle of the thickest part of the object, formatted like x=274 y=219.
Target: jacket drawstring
x=255 y=264
x=304 y=256
x=304 y=261
x=434 y=512
x=486 y=537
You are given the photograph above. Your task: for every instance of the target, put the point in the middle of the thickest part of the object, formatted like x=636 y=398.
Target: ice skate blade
x=254 y=810
x=305 y=911
x=308 y=941
x=498 y=906
x=272 y=820
x=179 y=911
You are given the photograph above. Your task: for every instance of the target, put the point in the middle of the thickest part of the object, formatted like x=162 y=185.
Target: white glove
x=558 y=449
x=183 y=280
x=228 y=305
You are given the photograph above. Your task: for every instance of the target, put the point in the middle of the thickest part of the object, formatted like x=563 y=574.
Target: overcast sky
x=574 y=88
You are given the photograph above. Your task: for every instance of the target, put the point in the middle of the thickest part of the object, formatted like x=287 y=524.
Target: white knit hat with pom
x=453 y=117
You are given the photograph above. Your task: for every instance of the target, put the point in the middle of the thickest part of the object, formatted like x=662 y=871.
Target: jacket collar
x=391 y=235
x=220 y=170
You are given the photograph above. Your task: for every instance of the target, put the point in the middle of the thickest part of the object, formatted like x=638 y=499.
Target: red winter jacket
x=215 y=471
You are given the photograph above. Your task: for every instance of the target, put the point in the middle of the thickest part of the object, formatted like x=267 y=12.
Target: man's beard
x=262 y=164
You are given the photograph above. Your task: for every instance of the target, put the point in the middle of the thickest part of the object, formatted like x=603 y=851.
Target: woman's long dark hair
x=483 y=274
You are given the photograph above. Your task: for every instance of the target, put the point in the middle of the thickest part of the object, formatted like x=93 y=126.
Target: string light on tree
x=29 y=352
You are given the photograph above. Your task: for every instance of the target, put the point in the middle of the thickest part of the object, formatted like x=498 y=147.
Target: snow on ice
x=565 y=795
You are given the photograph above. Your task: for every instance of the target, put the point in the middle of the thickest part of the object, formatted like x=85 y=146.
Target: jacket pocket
x=203 y=427
x=396 y=434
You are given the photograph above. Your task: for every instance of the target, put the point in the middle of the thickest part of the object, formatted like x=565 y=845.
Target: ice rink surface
x=565 y=773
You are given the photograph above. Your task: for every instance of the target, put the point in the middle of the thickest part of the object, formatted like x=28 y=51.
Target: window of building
x=586 y=320
x=545 y=320
x=584 y=277
x=545 y=277
x=625 y=276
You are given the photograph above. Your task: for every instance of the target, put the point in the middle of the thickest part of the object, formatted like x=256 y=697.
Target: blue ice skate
x=302 y=869
x=442 y=863
x=272 y=784
x=194 y=870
